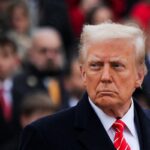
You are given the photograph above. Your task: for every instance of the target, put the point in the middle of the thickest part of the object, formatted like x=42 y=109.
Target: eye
x=42 y=50
x=117 y=65
x=6 y=55
x=95 y=66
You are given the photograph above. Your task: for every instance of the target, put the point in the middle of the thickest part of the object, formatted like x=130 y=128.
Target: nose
x=50 y=54
x=106 y=75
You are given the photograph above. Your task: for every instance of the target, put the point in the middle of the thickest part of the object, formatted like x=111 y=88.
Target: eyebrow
x=114 y=59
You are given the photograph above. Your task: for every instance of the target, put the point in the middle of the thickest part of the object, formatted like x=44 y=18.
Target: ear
x=140 y=77
x=83 y=74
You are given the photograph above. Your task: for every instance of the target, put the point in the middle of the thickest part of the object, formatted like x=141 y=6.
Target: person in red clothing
x=141 y=14
x=98 y=14
x=77 y=11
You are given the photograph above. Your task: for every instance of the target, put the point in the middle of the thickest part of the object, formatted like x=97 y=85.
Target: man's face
x=110 y=74
x=46 y=54
x=8 y=62
x=20 y=20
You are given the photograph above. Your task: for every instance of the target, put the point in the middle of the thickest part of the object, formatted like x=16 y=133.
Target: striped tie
x=119 y=140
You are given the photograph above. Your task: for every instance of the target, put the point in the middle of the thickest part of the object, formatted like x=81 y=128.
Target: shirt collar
x=6 y=85
x=128 y=119
x=108 y=121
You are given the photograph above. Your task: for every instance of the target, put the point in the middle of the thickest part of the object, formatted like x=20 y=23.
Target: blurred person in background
x=140 y=13
x=77 y=10
x=9 y=62
x=34 y=107
x=46 y=52
x=98 y=14
x=33 y=12
x=53 y=13
x=20 y=26
x=121 y=9
x=44 y=67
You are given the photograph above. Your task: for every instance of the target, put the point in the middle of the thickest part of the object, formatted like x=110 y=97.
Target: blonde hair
x=107 y=31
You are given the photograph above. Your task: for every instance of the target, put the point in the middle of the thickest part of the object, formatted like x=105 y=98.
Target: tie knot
x=119 y=125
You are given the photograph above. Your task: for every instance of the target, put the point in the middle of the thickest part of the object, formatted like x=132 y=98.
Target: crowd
x=39 y=44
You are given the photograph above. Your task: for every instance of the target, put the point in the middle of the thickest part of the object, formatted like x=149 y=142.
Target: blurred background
x=39 y=45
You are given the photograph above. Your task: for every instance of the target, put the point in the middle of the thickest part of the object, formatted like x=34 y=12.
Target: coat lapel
x=90 y=131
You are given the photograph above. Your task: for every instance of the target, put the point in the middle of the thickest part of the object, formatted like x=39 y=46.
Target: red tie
x=5 y=107
x=119 y=140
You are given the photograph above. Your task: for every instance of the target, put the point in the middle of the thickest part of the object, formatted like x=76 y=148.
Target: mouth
x=106 y=93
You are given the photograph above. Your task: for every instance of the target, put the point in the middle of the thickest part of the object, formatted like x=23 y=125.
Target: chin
x=105 y=101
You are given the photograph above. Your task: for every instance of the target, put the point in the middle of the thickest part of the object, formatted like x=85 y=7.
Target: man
x=45 y=63
x=54 y=13
x=107 y=118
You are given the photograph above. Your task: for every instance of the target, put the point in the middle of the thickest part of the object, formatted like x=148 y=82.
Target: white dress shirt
x=130 y=132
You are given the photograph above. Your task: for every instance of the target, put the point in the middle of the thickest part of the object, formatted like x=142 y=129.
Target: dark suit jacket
x=78 y=128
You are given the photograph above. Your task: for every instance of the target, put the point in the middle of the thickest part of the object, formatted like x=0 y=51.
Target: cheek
x=40 y=60
x=10 y=65
x=128 y=79
x=125 y=85
x=92 y=82
x=91 y=79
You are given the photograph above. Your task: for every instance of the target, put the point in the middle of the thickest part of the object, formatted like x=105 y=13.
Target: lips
x=106 y=93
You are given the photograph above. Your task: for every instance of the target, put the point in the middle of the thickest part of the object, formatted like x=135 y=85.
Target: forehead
x=47 y=40
x=111 y=49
